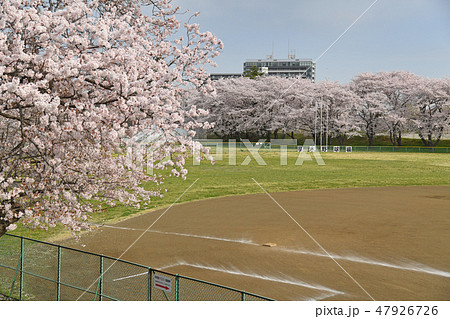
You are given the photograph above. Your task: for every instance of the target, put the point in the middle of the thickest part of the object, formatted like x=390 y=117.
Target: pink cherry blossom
x=79 y=79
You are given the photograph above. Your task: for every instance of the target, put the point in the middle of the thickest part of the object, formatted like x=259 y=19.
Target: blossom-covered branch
x=77 y=79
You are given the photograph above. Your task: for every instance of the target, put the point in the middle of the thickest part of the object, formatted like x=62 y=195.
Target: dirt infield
x=393 y=241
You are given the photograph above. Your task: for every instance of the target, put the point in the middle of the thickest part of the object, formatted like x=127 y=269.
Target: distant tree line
x=372 y=103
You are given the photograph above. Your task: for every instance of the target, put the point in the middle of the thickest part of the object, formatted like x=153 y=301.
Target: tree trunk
x=216 y=134
x=341 y=139
x=392 y=137
x=275 y=134
x=5 y=223
x=3 y=226
x=429 y=140
x=438 y=137
x=422 y=138
x=370 y=132
x=370 y=137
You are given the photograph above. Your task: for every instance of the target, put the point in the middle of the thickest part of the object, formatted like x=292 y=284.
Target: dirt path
x=394 y=242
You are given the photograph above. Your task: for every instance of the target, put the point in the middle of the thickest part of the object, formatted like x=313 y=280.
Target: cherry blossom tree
x=77 y=78
x=229 y=109
x=430 y=117
x=277 y=99
x=250 y=108
x=338 y=104
x=398 y=89
x=303 y=113
x=371 y=107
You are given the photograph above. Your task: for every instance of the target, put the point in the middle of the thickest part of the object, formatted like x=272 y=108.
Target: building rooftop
x=278 y=60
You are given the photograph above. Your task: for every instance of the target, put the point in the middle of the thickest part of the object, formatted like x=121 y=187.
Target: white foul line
x=315 y=241
x=143 y=233
x=132 y=276
x=239 y=241
x=405 y=266
x=284 y=280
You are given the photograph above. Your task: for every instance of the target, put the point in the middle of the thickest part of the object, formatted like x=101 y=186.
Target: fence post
x=22 y=243
x=100 y=280
x=177 y=287
x=243 y=296
x=149 y=284
x=58 y=279
x=15 y=276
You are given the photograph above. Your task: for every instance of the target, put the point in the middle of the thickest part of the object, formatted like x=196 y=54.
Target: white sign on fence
x=163 y=283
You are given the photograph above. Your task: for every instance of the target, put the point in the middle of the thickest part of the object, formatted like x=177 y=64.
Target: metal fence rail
x=226 y=147
x=399 y=149
x=34 y=270
x=381 y=149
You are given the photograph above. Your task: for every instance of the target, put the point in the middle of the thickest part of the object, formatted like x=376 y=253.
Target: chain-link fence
x=379 y=149
x=400 y=149
x=226 y=147
x=34 y=270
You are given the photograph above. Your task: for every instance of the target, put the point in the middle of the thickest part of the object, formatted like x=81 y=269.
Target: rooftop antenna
x=270 y=57
x=291 y=53
x=272 y=48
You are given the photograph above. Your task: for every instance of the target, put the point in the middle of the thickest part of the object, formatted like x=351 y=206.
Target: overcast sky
x=410 y=35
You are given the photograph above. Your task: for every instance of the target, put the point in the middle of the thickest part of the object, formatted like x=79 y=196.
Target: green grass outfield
x=341 y=170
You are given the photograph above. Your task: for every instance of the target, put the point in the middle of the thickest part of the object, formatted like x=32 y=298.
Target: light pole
x=326 y=136
x=321 y=125
x=315 y=124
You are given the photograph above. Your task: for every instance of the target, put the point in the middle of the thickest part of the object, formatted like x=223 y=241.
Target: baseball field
x=363 y=226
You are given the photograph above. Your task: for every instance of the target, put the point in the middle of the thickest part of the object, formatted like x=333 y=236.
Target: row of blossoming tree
x=77 y=78
x=384 y=102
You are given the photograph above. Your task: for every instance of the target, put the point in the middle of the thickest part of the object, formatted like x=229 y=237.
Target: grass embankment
x=383 y=140
x=341 y=170
x=379 y=140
